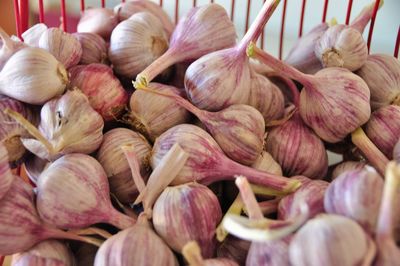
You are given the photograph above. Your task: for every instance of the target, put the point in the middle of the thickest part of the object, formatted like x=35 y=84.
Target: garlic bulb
x=137 y=245
x=153 y=114
x=356 y=194
x=297 y=149
x=46 y=251
x=104 y=90
x=382 y=133
x=266 y=163
x=32 y=35
x=382 y=74
x=101 y=21
x=272 y=253
x=11 y=131
x=68 y=125
x=111 y=157
x=187 y=212
x=73 y=192
x=33 y=75
x=266 y=97
x=62 y=45
x=94 y=48
x=331 y=240
x=135 y=43
x=342 y=46
x=8 y=47
x=127 y=9
x=347 y=166
x=302 y=55
x=310 y=193
x=6 y=175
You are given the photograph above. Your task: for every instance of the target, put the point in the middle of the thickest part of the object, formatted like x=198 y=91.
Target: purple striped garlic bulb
x=64 y=46
x=112 y=158
x=126 y=9
x=137 y=245
x=94 y=48
x=153 y=114
x=68 y=125
x=49 y=253
x=357 y=195
x=347 y=166
x=101 y=21
x=382 y=74
x=187 y=212
x=192 y=253
x=331 y=240
x=383 y=128
x=73 y=192
x=202 y=30
x=136 y=42
x=6 y=176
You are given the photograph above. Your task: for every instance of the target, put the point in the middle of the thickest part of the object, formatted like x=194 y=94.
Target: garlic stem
x=31 y=129
x=91 y=231
x=267 y=207
x=248 y=198
x=265 y=191
x=192 y=253
x=235 y=208
x=119 y=220
x=134 y=165
x=289 y=112
x=56 y=233
x=362 y=20
x=254 y=52
x=258 y=24
x=370 y=151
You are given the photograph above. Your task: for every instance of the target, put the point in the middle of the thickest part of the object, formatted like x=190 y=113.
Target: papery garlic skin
x=382 y=74
x=153 y=114
x=137 y=245
x=187 y=212
x=70 y=124
x=8 y=47
x=46 y=250
x=347 y=166
x=111 y=157
x=266 y=97
x=101 y=21
x=342 y=46
x=33 y=75
x=32 y=35
x=266 y=163
x=94 y=48
x=62 y=45
x=10 y=130
x=136 y=42
x=331 y=240
x=383 y=128
x=127 y=9
x=357 y=195
x=297 y=149
x=6 y=177
x=311 y=193
x=273 y=253
x=348 y=104
x=104 y=90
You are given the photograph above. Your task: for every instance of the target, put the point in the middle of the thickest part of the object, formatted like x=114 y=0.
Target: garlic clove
x=32 y=35
x=265 y=162
x=382 y=133
x=356 y=194
x=62 y=45
x=94 y=48
x=382 y=74
x=127 y=9
x=311 y=194
x=111 y=157
x=33 y=75
x=101 y=21
x=6 y=176
x=347 y=166
x=331 y=240
x=196 y=213
x=136 y=42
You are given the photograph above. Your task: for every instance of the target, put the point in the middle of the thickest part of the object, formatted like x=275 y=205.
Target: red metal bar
x=371 y=27
x=63 y=16
x=325 y=11
x=123 y=1
x=1 y=260
x=282 y=29
x=194 y=3
x=103 y=3
x=176 y=11
x=212 y=1
x=17 y=18
x=41 y=11
x=161 y=3
x=232 y=9
x=397 y=45
x=82 y=5
x=24 y=14
x=349 y=7
x=248 y=15
x=262 y=35
x=303 y=9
